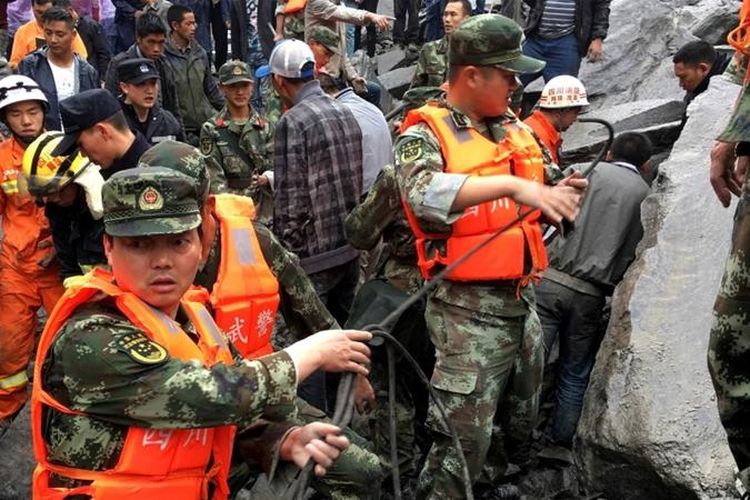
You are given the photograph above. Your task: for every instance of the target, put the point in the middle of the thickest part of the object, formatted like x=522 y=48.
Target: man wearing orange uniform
x=563 y=98
x=28 y=269
x=30 y=36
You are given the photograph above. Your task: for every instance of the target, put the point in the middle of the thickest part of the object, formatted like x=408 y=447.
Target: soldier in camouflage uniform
x=356 y=474
x=729 y=343
x=115 y=376
x=481 y=329
x=238 y=143
x=289 y=25
x=432 y=62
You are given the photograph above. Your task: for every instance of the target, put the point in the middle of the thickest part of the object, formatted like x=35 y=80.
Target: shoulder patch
x=207 y=145
x=141 y=349
x=411 y=150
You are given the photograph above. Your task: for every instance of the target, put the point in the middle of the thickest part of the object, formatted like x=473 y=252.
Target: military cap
x=182 y=158
x=137 y=70
x=491 y=40
x=82 y=111
x=326 y=37
x=149 y=202
x=234 y=71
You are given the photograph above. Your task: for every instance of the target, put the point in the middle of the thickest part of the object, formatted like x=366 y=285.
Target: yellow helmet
x=46 y=174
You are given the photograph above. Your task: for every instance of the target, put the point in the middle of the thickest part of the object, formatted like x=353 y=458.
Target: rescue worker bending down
x=136 y=392
x=28 y=267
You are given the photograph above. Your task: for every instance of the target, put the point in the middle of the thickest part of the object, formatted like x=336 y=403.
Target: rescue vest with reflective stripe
x=293 y=6
x=466 y=151
x=245 y=296
x=154 y=464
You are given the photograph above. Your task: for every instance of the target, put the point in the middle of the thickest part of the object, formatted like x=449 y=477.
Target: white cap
x=563 y=91
x=290 y=59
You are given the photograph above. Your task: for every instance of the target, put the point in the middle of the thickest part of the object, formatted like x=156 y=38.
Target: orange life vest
x=466 y=151
x=546 y=132
x=293 y=6
x=245 y=296
x=154 y=464
x=739 y=38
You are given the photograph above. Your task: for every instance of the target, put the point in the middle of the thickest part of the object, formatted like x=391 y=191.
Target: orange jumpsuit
x=25 y=285
x=27 y=40
x=546 y=133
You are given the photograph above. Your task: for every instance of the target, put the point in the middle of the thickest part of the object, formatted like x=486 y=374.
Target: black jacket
x=161 y=125
x=76 y=235
x=592 y=20
x=167 y=91
x=718 y=67
x=36 y=67
x=95 y=40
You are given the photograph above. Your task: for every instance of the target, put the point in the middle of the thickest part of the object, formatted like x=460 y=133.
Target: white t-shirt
x=65 y=80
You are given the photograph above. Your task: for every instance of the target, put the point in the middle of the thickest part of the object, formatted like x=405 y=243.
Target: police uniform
x=481 y=319
x=237 y=151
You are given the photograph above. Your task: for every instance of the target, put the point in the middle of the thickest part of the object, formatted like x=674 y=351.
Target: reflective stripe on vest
x=466 y=151
x=154 y=463
x=14 y=382
x=245 y=297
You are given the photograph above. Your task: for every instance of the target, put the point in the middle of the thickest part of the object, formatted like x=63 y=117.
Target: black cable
x=395 y=473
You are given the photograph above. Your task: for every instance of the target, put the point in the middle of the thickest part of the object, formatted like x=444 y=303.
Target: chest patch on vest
x=411 y=151
x=141 y=349
x=207 y=145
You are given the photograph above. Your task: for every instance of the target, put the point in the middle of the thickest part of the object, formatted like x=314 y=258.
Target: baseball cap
x=150 y=201
x=326 y=37
x=182 y=158
x=137 y=70
x=491 y=40
x=290 y=59
x=82 y=111
x=234 y=72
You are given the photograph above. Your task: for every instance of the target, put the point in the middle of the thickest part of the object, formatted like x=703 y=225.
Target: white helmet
x=563 y=91
x=19 y=88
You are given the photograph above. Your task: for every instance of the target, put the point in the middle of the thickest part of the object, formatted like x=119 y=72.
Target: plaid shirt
x=317 y=172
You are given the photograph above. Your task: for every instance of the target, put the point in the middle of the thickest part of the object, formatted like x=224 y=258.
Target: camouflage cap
x=326 y=37
x=234 y=71
x=184 y=159
x=150 y=202
x=491 y=40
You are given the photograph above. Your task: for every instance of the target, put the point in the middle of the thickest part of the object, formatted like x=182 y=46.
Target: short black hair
x=694 y=53
x=58 y=14
x=40 y=2
x=465 y=4
x=329 y=84
x=150 y=24
x=118 y=121
x=176 y=14
x=632 y=147
x=65 y=4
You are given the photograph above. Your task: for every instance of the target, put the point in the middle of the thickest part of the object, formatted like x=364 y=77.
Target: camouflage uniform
x=236 y=152
x=104 y=366
x=356 y=470
x=487 y=336
x=294 y=24
x=270 y=101
x=432 y=64
x=729 y=343
x=381 y=215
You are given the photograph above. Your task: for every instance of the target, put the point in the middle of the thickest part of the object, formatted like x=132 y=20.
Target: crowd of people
x=203 y=233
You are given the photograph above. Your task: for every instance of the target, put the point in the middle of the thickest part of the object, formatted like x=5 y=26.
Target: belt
x=327 y=260
x=574 y=283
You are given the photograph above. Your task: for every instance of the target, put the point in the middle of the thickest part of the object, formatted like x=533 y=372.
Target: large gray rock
x=658 y=118
x=16 y=459
x=397 y=82
x=650 y=427
x=643 y=37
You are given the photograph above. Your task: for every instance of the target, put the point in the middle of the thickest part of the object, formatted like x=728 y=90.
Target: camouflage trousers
x=488 y=369
x=729 y=343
